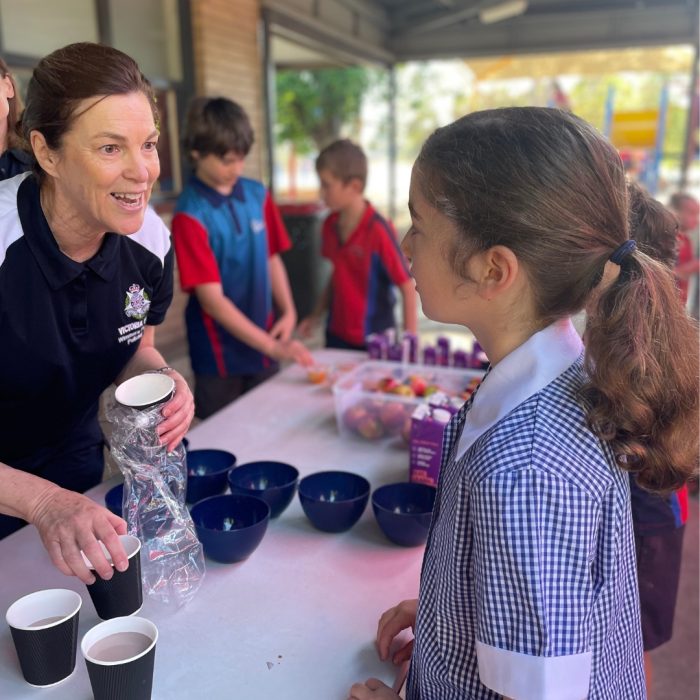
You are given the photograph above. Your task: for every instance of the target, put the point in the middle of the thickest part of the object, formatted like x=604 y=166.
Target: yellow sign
x=635 y=129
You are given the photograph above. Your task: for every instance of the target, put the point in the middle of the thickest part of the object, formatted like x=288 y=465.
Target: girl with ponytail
x=520 y=219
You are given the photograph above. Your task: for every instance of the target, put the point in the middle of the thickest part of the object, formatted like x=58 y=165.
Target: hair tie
x=620 y=253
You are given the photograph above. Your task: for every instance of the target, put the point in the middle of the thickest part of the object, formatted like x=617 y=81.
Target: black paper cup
x=118 y=660
x=122 y=594
x=145 y=390
x=44 y=627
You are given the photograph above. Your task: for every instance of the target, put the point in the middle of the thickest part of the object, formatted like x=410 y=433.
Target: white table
x=298 y=618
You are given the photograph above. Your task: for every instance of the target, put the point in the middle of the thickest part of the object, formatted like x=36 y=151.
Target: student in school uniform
x=658 y=519
x=528 y=587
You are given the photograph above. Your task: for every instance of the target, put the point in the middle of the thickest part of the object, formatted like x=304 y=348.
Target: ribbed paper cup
x=117 y=672
x=44 y=627
x=122 y=594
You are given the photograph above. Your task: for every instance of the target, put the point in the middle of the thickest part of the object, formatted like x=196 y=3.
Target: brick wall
x=228 y=62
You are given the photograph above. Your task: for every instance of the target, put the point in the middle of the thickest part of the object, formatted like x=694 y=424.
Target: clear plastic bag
x=155 y=482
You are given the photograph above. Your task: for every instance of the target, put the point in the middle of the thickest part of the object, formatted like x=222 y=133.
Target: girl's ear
x=498 y=271
x=45 y=156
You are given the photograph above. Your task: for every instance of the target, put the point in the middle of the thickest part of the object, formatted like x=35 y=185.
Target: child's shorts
x=658 y=571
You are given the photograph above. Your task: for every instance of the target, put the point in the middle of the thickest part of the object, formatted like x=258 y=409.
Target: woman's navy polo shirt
x=67 y=329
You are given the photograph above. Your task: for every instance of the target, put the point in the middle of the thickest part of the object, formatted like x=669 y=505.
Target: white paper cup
x=145 y=390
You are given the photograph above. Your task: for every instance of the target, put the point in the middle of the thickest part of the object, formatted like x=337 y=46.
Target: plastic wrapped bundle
x=155 y=482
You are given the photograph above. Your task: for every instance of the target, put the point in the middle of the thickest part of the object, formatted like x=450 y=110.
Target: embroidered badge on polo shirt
x=137 y=302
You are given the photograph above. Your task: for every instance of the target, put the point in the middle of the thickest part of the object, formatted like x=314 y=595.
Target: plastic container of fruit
x=376 y=399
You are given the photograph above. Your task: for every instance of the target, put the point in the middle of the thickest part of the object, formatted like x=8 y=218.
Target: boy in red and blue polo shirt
x=228 y=235
x=363 y=249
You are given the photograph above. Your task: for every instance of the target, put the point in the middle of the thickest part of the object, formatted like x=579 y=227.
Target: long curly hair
x=547 y=185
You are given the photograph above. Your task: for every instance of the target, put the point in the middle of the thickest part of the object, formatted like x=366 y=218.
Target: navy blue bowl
x=206 y=473
x=230 y=527
x=114 y=498
x=333 y=501
x=274 y=482
x=403 y=512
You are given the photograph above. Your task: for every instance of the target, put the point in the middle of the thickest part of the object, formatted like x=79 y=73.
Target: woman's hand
x=372 y=689
x=69 y=522
x=177 y=413
x=393 y=621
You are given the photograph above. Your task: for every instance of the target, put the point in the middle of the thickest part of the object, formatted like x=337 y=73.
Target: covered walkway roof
x=390 y=31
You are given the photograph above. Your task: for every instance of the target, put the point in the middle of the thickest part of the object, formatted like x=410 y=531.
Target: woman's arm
x=67 y=522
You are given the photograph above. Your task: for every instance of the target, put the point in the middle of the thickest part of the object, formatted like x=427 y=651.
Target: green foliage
x=313 y=107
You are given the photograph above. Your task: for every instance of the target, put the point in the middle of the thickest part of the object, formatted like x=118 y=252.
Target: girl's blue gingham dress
x=529 y=574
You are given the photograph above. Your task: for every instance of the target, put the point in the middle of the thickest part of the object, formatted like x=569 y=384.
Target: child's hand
x=292 y=350
x=284 y=326
x=373 y=689
x=307 y=327
x=393 y=621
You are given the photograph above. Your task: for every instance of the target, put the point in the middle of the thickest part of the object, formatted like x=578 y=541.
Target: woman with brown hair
x=13 y=159
x=529 y=587
x=85 y=276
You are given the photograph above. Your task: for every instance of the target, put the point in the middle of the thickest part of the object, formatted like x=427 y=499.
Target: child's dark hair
x=344 y=160
x=547 y=185
x=217 y=125
x=653 y=226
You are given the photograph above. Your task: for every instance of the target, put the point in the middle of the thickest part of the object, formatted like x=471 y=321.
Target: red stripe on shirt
x=215 y=343
x=277 y=236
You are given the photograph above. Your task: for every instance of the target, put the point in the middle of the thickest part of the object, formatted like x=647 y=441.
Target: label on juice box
x=425 y=444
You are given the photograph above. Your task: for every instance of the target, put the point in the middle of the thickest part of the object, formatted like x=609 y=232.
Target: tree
x=314 y=106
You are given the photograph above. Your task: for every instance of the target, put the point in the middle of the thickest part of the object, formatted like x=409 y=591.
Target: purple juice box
x=429 y=355
x=395 y=352
x=460 y=359
x=425 y=443
x=376 y=346
x=410 y=344
x=443 y=351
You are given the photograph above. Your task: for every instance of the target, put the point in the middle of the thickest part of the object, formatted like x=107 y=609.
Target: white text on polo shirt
x=131 y=332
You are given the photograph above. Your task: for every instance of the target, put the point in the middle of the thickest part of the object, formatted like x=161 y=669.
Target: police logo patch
x=137 y=302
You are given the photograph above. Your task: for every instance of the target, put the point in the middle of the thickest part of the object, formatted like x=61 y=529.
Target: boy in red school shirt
x=364 y=251
x=228 y=236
